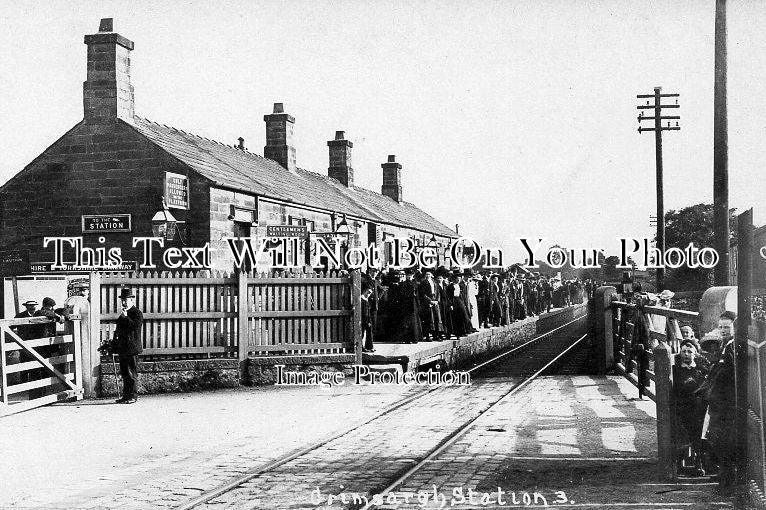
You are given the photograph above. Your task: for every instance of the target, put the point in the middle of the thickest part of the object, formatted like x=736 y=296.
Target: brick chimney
x=279 y=137
x=340 y=159
x=107 y=93
x=392 y=179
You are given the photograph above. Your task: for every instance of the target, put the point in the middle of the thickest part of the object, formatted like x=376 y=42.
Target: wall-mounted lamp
x=164 y=223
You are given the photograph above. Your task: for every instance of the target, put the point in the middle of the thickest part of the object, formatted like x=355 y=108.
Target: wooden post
x=663 y=388
x=356 y=315
x=2 y=296
x=3 y=375
x=602 y=309
x=72 y=327
x=720 y=150
x=744 y=291
x=243 y=336
x=15 y=285
x=91 y=356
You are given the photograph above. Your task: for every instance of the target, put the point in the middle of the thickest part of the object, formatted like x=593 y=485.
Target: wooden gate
x=36 y=370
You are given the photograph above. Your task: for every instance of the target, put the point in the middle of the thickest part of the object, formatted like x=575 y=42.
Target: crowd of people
x=409 y=306
x=703 y=386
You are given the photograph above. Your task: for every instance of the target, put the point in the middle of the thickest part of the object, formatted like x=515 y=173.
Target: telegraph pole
x=658 y=129
x=720 y=150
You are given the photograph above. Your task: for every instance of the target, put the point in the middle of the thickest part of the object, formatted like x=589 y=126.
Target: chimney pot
x=241 y=144
x=279 y=138
x=392 y=179
x=107 y=91
x=106 y=25
x=341 y=168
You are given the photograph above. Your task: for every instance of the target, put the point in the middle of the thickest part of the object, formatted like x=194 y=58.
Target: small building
x=107 y=177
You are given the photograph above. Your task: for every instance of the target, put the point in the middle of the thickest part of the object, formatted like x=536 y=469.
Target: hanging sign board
x=176 y=190
x=14 y=262
x=286 y=231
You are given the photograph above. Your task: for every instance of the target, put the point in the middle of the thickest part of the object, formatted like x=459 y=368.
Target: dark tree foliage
x=693 y=224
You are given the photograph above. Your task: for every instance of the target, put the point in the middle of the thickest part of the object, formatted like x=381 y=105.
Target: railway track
x=519 y=365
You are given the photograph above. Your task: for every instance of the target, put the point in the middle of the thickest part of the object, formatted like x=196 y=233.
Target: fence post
x=663 y=389
x=72 y=327
x=91 y=340
x=3 y=375
x=356 y=315
x=744 y=291
x=242 y=325
x=602 y=308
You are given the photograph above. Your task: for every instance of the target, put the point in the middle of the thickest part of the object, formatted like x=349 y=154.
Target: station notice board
x=286 y=231
x=14 y=263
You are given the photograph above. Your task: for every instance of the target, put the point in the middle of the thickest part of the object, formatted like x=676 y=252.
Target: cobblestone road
x=578 y=440
x=166 y=448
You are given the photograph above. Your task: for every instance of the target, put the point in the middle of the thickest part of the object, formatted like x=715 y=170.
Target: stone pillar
x=602 y=322
x=91 y=339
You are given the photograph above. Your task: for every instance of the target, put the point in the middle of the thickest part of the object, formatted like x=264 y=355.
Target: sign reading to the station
x=14 y=262
x=100 y=223
x=176 y=190
x=286 y=231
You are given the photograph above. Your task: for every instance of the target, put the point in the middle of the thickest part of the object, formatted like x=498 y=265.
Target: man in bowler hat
x=128 y=345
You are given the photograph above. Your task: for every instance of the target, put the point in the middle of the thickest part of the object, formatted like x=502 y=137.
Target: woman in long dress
x=473 y=292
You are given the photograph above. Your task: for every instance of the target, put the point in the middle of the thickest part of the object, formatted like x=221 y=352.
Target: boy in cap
x=48 y=329
x=689 y=372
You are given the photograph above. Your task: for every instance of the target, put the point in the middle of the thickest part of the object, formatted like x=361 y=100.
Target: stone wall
x=263 y=371
x=176 y=376
x=96 y=169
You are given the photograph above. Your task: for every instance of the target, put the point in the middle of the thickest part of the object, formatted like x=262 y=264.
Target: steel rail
x=284 y=459
x=458 y=433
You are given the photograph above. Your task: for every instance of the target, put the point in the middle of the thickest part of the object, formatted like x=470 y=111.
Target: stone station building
x=107 y=177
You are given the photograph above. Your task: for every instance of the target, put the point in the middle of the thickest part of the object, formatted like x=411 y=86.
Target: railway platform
x=475 y=346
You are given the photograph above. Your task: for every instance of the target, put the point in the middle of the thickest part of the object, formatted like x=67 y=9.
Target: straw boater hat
x=30 y=302
x=666 y=294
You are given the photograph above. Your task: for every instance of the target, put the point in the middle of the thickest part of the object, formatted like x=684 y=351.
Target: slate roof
x=235 y=168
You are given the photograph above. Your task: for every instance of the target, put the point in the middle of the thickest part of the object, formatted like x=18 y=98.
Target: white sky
x=511 y=118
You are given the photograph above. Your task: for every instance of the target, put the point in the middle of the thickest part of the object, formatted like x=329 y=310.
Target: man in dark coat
x=26 y=331
x=372 y=279
x=444 y=301
x=366 y=299
x=128 y=345
x=722 y=406
x=430 y=312
x=546 y=294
